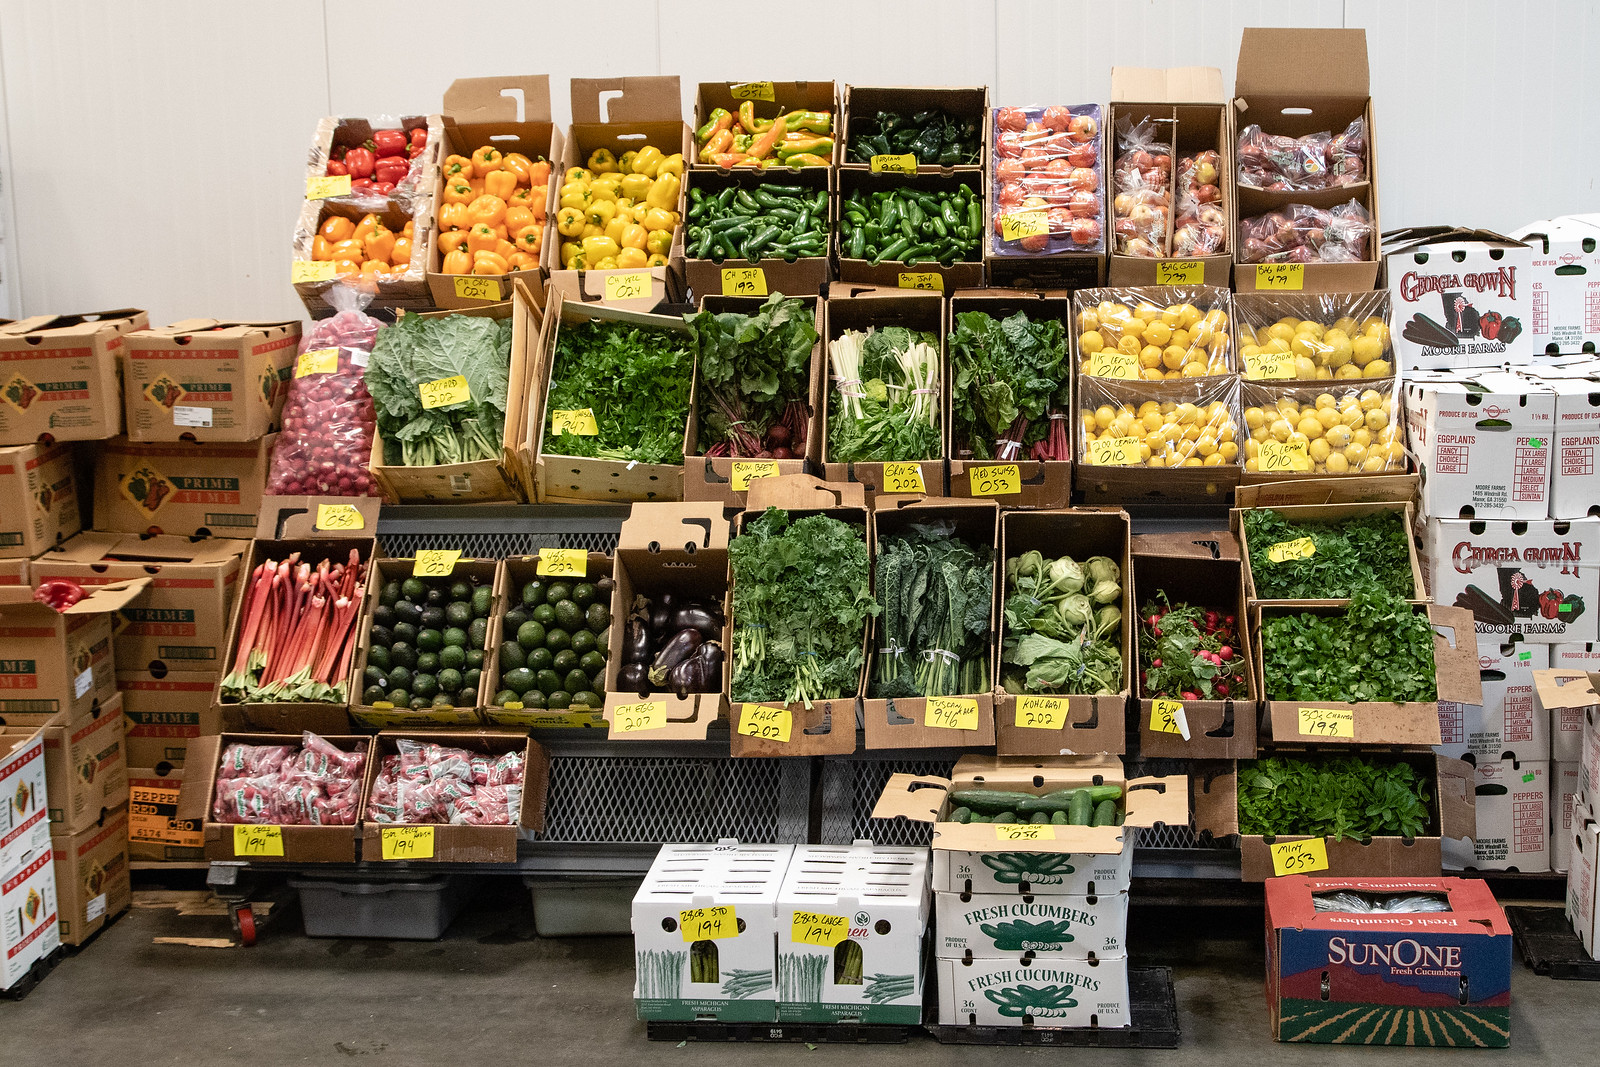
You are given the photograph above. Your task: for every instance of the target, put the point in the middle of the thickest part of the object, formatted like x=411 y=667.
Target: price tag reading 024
x=633 y=285
x=479 y=288
x=708 y=924
x=435 y=563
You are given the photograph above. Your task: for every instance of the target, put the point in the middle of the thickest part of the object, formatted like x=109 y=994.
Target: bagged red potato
x=1300 y=233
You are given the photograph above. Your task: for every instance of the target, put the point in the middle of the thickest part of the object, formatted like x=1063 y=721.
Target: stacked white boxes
x=29 y=922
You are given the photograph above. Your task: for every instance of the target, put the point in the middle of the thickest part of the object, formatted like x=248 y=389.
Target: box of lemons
x=553 y=647
x=427 y=637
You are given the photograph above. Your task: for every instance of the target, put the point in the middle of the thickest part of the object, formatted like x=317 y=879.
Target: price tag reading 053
x=708 y=924
x=1299 y=857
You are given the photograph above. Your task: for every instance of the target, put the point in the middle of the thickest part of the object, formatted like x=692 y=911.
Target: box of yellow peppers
x=619 y=212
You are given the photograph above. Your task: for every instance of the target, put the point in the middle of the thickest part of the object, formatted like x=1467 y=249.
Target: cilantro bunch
x=636 y=381
x=1337 y=798
x=1009 y=374
x=1378 y=649
x=1366 y=550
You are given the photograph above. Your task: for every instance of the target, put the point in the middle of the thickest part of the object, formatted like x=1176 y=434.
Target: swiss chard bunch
x=636 y=381
x=935 y=591
x=1365 y=550
x=754 y=377
x=1063 y=625
x=418 y=350
x=1189 y=653
x=885 y=403
x=1378 y=649
x=1337 y=798
x=1010 y=387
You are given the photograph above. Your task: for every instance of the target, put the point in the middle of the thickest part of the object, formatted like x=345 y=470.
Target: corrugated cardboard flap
x=650 y=98
x=911 y=796
x=200 y=761
x=1344 y=490
x=698 y=526
x=1214 y=797
x=1207 y=544
x=804 y=491
x=479 y=100
x=96 y=547
x=1170 y=85
x=1458 y=813
x=1456 y=667
x=1567 y=689
x=230 y=327
x=287 y=518
x=1404 y=240
x=100 y=598
x=41 y=323
x=1302 y=62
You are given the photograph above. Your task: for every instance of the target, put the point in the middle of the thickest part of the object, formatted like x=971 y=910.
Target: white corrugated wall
x=153 y=150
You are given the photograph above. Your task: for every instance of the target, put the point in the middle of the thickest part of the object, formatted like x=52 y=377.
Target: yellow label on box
x=1299 y=857
x=1042 y=713
x=1000 y=479
x=639 y=717
x=753 y=91
x=320 y=188
x=709 y=924
x=477 y=287
x=1114 y=363
x=435 y=562
x=744 y=281
x=579 y=421
x=311 y=270
x=903 y=164
x=922 y=280
x=746 y=471
x=1261 y=366
x=1299 y=548
x=1180 y=272
x=769 y=724
x=1328 y=722
x=444 y=392
x=257 y=841
x=562 y=563
x=1281 y=457
x=1165 y=717
x=818 y=928
x=407 y=842
x=633 y=285
x=339 y=517
x=1023 y=831
x=903 y=478
x=1020 y=224
x=1115 y=452
x=1281 y=276
x=317 y=361
x=951 y=713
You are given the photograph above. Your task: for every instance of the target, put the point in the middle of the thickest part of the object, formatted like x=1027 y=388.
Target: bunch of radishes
x=1189 y=653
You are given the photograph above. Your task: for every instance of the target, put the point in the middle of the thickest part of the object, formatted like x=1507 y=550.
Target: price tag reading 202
x=444 y=392
x=903 y=478
x=708 y=924
x=1042 y=713
x=766 y=724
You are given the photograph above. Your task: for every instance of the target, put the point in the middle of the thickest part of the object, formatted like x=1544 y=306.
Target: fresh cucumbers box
x=1048 y=926
x=1023 y=990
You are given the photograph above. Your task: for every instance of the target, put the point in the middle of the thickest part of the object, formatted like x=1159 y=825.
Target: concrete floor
x=491 y=992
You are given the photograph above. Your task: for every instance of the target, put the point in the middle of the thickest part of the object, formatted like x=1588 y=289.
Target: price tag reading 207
x=708 y=924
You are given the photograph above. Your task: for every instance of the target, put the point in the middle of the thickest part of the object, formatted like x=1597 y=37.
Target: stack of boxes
x=28 y=913
x=1572 y=697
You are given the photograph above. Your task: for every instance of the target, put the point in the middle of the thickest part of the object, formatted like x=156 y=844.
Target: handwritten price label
x=1328 y=722
x=579 y=421
x=318 y=361
x=744 y=281
x=1299 y=857
x=1180 y=272
x=327 y=185
x=257 y=841
x=769 y=724
x=709 y=924
x=921 y=280
x=1261 y=366
x=753 y=91
x=1020 y=831
x=339 y=517
x=1114 y=363
x=952 y=713
x=637 y=718
x=1042 y=713
x=435 y=562
x=472 y=287
x=1003 y=479
x=746 y=471
x=904 y=164
x=445 y=392
x=1167 y=717
x=1279 y=457
x=817 y=928
x=307 y=270
x=407 y=842
x=1115 y=452
x=1020 y=224
x=634 y=285
x=1299 y=548
x=562 y=563
x=903 y=478
x=1281 y=276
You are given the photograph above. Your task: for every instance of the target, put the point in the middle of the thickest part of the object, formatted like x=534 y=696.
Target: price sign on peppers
x=562 y=563
x=1020 y=224
x=1328 y=722
x=635 y=718
x=1167 y=717
x=818 y=928
x=753 y=91
x=1114 y=363
x=579 y=421
x=1281 y=457
x=1021 y=831
x=339 y=517
x=311 y=270
x=1281 y=276
x=469 y=287
x=903 y=164
x=746 y=471
x=1115 y=452
x=317 y=361
x=633 y=285
x=1299 y=548
x=1260 y=366
x=257 y=841
x=923 y=279
x=903 y=478
x=1042 y=713
x=1001 y=479
x=407 y=843
x=708 y=924
x=768 y=724
x=324 y=186
x=1180 y=272
x=1299 y=857
x=952 y=713
x=435 y=562
x=744 y=281
x=445 y=392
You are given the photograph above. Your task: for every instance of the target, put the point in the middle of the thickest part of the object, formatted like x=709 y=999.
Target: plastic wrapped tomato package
x=425 y=783
x=317 y=784
x=328 y=416
x=1201 y=226
x=1300 y=233
x=1142 y=189
x=1295 y=164
x=1158 y=424
x=1047 y=190
x=1154 y=333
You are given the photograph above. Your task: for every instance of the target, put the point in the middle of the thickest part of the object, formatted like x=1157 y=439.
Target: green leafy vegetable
x=1378 y=649
x=1189 y=653
x=936 y=592
x=1337 y=798
x=1069 y=641
x=885 y=404
x=636 y=381
x=754 y=374
x=1008 y=375
x=417 y=350
x=1365 y=550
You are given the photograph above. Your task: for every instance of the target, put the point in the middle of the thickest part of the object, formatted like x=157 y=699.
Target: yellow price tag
x=709 y=924
x=1180 y=272
x=1167 y=717
x=339 y=517
x=746 y=471
x=1328 y=722
x=922 y=280
x=636 y=718
x=1280 y=457
x=579 y=421
x=633 y=285
x=477 y=287
x=1114 y=363
x=1281 y=276
x=562 y=563
x=445 y=391
x=1299 y=548
x=435 y=562
x=1299 y=857
x=311 y=270
x=905 y=164
x=818 y=928
x=903 y=478
x=951 y=713
x=1020 y=224
x=1002 y=479
x=753 y=91
x=769 y=724
x=407 y=842
x=744 y=281
x=1259 y=366
x=317 y=361
x=1115 y=452
x=1042 y=713
x=1023 y=831
x=257 y=841
x=321 y=188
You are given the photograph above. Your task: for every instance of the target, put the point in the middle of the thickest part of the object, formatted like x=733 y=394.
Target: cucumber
x=988 y=800
x=1058 y=818
x=1061 y=799
x=961 y=815
x=1097 y=793
x=1081 y=809
x=1105 y=813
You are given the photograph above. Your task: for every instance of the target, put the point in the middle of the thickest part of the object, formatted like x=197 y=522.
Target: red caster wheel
x=245 y=919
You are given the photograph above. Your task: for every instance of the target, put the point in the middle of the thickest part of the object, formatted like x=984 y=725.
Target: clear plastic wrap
x=328 y=416
x=1295 y=164
x=426 y=782
x=1300 y=233
x=1142 y=179
x=1336 y=427
x=317 y=784
x=1201 y=226
x=1314 y=336
x=1351 y=902
x=388 y=159
x=1047 y=159
x=1165 y=424
x=1161 y=332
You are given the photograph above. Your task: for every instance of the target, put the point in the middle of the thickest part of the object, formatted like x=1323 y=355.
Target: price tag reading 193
x=1299 y=857
x=744 y=281
x=921 y=280
x=708 y=924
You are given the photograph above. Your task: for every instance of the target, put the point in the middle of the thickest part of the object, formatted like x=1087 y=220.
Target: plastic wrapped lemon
x=1316 y=351
x=1175 y=341
x=1159 y=434
x=1348 y=433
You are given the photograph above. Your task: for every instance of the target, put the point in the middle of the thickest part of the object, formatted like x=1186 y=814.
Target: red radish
x=1222 y=688
x=1225 y=653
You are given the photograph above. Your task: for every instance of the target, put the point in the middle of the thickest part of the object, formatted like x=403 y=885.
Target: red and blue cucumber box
x=1388 y=978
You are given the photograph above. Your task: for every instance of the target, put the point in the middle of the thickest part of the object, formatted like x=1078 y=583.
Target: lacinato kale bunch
x=936 y=592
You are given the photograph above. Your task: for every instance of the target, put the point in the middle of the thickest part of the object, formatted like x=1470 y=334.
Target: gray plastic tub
x=578 y=907
x=420 y=909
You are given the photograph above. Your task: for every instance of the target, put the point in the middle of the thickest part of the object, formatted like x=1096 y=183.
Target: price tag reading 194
x=708 y=924
x=817 y=928
x=1042 y=713
x=634 y=718
x=339 y=517
x=744 y=281
x=746 y=471
x=444 y=392
x=768 y=724
x=1299 y=548
x=1002 y=479
x=435 y=562
x=1281 y=276
x=562 y=563
x=258 y=841
x=903 y=478
x=1299 y=857
x=1018 y=831
x=952 y=713
x=407 y=843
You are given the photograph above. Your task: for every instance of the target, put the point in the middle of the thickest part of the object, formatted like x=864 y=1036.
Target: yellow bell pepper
x=599 y=192
x=501 y=183
x=634 y=236
x=591 y=231
x=656 y=260
x=598 y=248
x=664 y=193
x=481 y=238
x=400 y=254
x=647 y=161
x=517 y=218
x=518 y=165
x=488 y=208
x=612 y=181
x=578 y=262
x=625 y=161
x=577 y=174
x=568 y=250
x=486 y=159
x=658 y=242
x=457 y=166
x=629 y=258
x=457 y=262
x=609 y=263
x=458 y=191
x=615 y=229
x=600 y=213
x=635 y=186
x=673 y=164
x=569 y=222
x=656 y=219
x=575 y=195
x=453 y=216
x=379 y=243
x=489 y=263
x=601 y=161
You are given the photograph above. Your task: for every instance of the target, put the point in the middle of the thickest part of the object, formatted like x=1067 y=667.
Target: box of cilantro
x=1321 y=551
x=609 y=405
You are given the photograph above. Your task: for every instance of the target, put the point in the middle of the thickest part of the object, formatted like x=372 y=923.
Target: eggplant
x=636 y=642
x=700 y=673
x=660 y=622
x=695 y=617
x=631 y=678
x=679 y=648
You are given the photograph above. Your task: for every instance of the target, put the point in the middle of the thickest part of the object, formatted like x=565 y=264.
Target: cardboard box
x=1156 y=487
x=1566 y=722
x=1090 y=724
x=1572 y=694
x=1482 y=446
x=769 y=100
x=93 y=885
x=13 y=571
x=860 y=104
x=1583 y=872
x=180 y=488
x=1325 y=89
x=465 y=844
x=1566 y=792
x=208 y=380
x=1509 y=722
x=314 y=280
x=155 y=833
x=1038 y=483
x=59 y=661
x=38 y=499
x=61 y=377
x=1341 y=977
x=342 y=132
x=288 y=517
x=163 y=714
x=1575 y=442
x=1563 y=283
x=1059 y=262
x=733 y=275
x=513 y=575
x=998 y=925
x=25 y=820
x=1215 y=797
x=29 y=917
x=854 y=307
x=1351 y=489
x=1532 y=578
x=181 y=622
x=872 y=897
x=1513 y=809
x=965 y=273
x=1453 y=290
x=937 y=722
x=1051 y=992
x=1332 y=514
x=85 y=766
x=716 y=902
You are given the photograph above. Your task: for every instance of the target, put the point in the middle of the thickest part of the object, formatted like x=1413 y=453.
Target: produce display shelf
x=1154 y=1010
x=1549 y=944
x=810 y=1033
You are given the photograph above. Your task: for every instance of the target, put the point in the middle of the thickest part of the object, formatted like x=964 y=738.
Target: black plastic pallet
x=37 y=973
x=810 y=1033
x=1154 y=1008
x=1550 y=945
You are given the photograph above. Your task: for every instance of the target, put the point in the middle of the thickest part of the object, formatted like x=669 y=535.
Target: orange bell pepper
x=518 y=165
x=348 y=249
x=521 y=196
x=458 y=191
x=321 y=247
x=504 y=248
x=380 y=244
x=406 y=230
x=336 y=228
x=452 y=241
x=400 y=254
x=366 y=226
x=501 y=183
x=541 y=200
x=482 y=238
x=486 y=159
x=457 y=262
x=489 y=263
x=453 y=216
x=517 y=217
x=477 y=187
x=488 y=208
x=539 y=173
x=457 y=166
x=523 y=261
x=374 y=266
x=347 y=266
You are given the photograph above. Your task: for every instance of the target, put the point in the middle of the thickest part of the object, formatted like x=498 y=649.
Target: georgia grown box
x=1037 y=724
x=1331 y=514
x=512 y=575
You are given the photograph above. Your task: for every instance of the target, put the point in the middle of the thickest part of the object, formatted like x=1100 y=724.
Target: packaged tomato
x=1142 y=208
x=1048 y=195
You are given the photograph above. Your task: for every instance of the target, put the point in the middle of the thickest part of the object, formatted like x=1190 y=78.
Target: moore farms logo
x=165 y=391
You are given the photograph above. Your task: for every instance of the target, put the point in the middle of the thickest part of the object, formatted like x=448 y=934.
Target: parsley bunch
x=1337 y=798
x=1377 y=650
x=636 y=381
x=1367 y=550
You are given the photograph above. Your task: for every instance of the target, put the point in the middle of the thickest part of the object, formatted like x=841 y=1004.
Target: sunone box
x=1482 y=445
x=1508 y=721
x=1539 y=579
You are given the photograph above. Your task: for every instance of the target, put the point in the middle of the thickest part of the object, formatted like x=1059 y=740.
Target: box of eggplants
x=552 y=641
x=672 y=643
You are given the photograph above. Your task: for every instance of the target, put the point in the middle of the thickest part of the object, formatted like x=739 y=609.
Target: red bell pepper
x=363 y=185
x=384 y=188
x=1489 y=325
x=58 y=593
x=391 y=169
x=360 y=161
x=1549 y=600
x=389 y=143
x=419 y=139
x=335 y=167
